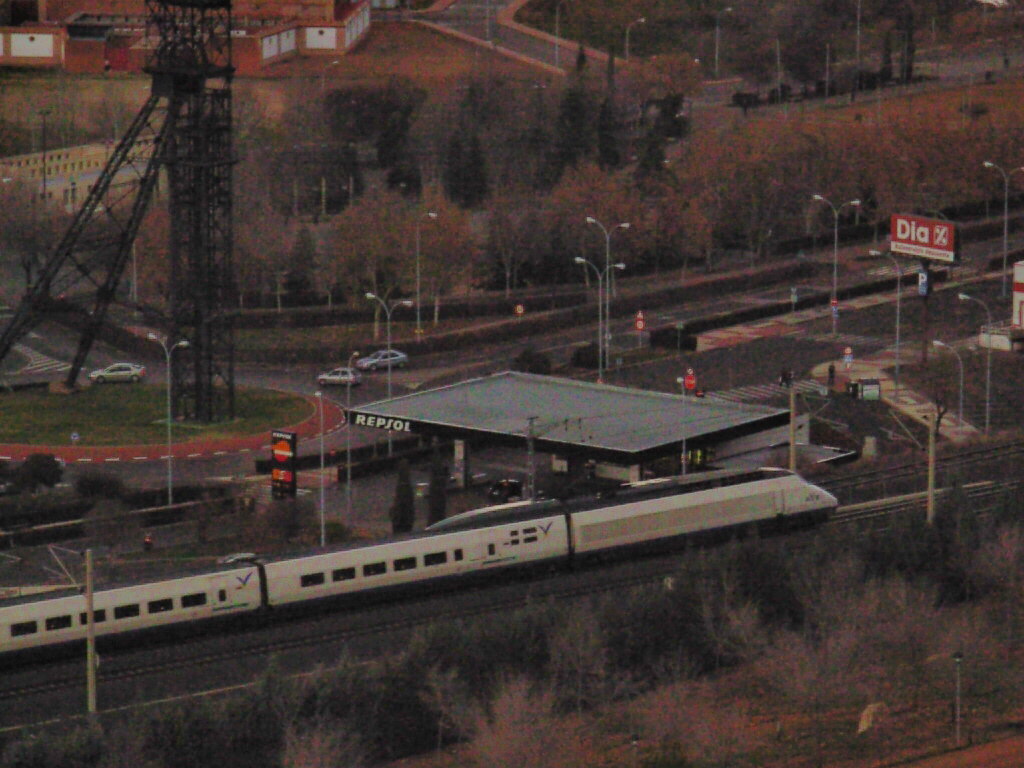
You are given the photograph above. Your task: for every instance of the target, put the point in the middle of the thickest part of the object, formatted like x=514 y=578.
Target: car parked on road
x=340 y=377
x=132 y=372
x=383 y=358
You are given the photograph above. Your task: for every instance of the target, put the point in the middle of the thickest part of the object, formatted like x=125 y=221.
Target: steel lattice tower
x=192 y=67
x=184 y=128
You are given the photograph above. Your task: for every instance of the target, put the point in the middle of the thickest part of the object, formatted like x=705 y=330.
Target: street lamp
x=899 y=293
x=718 y=15
x=348 y=438
x=960 y=360
x=168 y=351
x=388 y=307
x=601 y=275
x=323 y=73
x=988 y=357
x=835 y=255
x=607 y=269
x=323 y=526
x=1006 y=213
x=958 y=657
x=641 y=20
x=419 y=221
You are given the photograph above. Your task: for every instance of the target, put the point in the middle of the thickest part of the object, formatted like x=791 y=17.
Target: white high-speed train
x=655 y=514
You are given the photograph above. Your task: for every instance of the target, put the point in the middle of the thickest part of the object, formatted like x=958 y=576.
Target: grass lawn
x=126 y=414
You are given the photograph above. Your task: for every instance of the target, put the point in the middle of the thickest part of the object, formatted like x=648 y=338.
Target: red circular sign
x=690 y=381
x=282 y=450
x=640 y=324
x=835 y=302
x=519 y=309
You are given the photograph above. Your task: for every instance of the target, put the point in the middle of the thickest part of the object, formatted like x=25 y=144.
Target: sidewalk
x=334 y=419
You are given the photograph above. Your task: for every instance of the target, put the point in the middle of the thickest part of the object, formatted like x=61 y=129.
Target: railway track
x=324 y=631
x=852 y=488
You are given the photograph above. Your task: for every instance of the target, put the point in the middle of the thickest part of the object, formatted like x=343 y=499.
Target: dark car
x=502 y=491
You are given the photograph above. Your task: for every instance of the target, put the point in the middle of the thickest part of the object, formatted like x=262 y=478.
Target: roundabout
x=127 y=423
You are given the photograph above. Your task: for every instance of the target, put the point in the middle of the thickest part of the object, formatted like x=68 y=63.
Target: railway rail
x=321 y=632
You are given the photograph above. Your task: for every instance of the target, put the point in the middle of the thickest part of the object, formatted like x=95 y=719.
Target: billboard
x=283 y=477
x=925 y=238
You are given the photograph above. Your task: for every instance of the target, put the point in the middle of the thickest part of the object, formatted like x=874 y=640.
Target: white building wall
x=34 y=45
x=288 y=41
x=321 y=38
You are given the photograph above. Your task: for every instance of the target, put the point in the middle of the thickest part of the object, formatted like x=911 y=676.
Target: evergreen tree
x=608 y=155
x=575 y=137
x=403 y=510
x=437 y=495
x=465 y=169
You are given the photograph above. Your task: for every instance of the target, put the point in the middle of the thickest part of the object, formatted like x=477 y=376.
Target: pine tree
x=437 y=495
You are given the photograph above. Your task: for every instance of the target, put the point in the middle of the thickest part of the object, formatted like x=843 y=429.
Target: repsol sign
x=382 y=422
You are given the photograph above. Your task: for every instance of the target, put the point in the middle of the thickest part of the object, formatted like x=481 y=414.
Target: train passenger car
x=54 y=622
x=421 y=561
x=702 y=508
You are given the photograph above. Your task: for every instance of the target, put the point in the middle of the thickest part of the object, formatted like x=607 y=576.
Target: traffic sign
x=640 y=323
x=519 y=310
x=835 y=302
x=690 y=380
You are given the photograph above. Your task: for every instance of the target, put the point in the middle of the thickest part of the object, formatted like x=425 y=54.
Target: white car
x=382 y=358
x=339 y=376
x=132 y=372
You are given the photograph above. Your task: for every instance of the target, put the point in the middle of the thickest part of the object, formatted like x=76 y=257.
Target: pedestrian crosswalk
x=758 y=392
x=38 y=362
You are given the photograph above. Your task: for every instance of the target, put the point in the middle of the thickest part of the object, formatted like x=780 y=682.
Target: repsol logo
x=382 y=422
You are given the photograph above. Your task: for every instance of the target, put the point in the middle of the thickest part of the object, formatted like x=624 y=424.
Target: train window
x=97 y=616
x=458 y=554
x=23 y=628
x=435 y=558
x=160 y=606
x=490 y=549
x=222 y=595
x=343 y=574
x=405 y=563
x=126 y=611
x=193 y=601
x=374 y=569
x=58 y=622
x=312 y=579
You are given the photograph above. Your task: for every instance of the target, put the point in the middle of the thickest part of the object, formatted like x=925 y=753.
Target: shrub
x=39 y=469
x=532 y=361
x=585 y=356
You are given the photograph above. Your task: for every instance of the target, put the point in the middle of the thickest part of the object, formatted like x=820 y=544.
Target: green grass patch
x=127 y=414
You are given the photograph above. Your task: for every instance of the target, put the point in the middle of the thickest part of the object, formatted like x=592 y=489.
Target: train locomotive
x=482 y=544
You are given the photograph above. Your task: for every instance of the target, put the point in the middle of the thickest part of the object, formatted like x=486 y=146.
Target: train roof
x=646 y=489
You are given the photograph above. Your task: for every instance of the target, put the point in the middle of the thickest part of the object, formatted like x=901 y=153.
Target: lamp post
x=899 y=293
x=835 y=255
x=601 y=276
x=718 y=15
x=641 y=20
x=320 y=408
x=1006 y=213
x=960 y=361
x=988 y=357
x=419 y=221
x=958 y=657
x=388 y=309
x=168 y=351
x=348 y=439
x=323 y=73
x=607 y=270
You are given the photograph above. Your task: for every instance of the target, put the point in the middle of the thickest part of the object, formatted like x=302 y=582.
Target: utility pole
x=90 y=637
